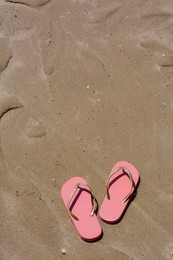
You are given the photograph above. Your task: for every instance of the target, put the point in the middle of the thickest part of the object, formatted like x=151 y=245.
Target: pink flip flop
x=120 y=186
x=81 y=205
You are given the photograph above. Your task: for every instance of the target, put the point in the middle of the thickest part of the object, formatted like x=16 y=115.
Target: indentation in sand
x=48 y=68
x=159 y=19
x=32 y=3
x=157 y=14
x=91 y=57
x=100 y=15
x=5 y=53
x=153 y=45
x=34 y=128
x=8 y=102
x=162 y=51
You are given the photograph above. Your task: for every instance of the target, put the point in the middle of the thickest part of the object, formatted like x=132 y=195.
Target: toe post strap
x=93 y=199
x=125 y=171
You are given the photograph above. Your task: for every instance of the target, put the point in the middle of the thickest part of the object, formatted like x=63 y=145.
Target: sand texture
x=84 y=84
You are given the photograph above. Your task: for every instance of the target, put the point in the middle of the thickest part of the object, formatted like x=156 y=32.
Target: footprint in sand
x=5 y=53
x=157 y=16
x=160 y=19
x=161 y=50
x=8 y=102
x=32 y=3
x=33 y=127
x=159 y=23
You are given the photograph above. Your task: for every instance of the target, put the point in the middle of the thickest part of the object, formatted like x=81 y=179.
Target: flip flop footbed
x=112 y=209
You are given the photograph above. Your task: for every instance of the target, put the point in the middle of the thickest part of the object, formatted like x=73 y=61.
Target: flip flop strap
x=125 y=170
x=93 y=199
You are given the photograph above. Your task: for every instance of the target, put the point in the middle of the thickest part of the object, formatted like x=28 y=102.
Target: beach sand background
x=84 y=84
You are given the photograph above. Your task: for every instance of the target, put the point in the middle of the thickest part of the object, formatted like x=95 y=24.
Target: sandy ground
x=84 y=84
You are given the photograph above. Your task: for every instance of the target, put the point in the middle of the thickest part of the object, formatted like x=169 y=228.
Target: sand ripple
x=5 y=53
x=32 y=3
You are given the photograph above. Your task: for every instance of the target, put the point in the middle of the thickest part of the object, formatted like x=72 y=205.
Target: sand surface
x=84 y=84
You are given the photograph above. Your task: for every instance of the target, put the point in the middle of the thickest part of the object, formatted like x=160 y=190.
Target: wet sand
x=84 y=84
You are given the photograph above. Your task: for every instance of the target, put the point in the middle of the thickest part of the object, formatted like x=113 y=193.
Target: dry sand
x=84 y=84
